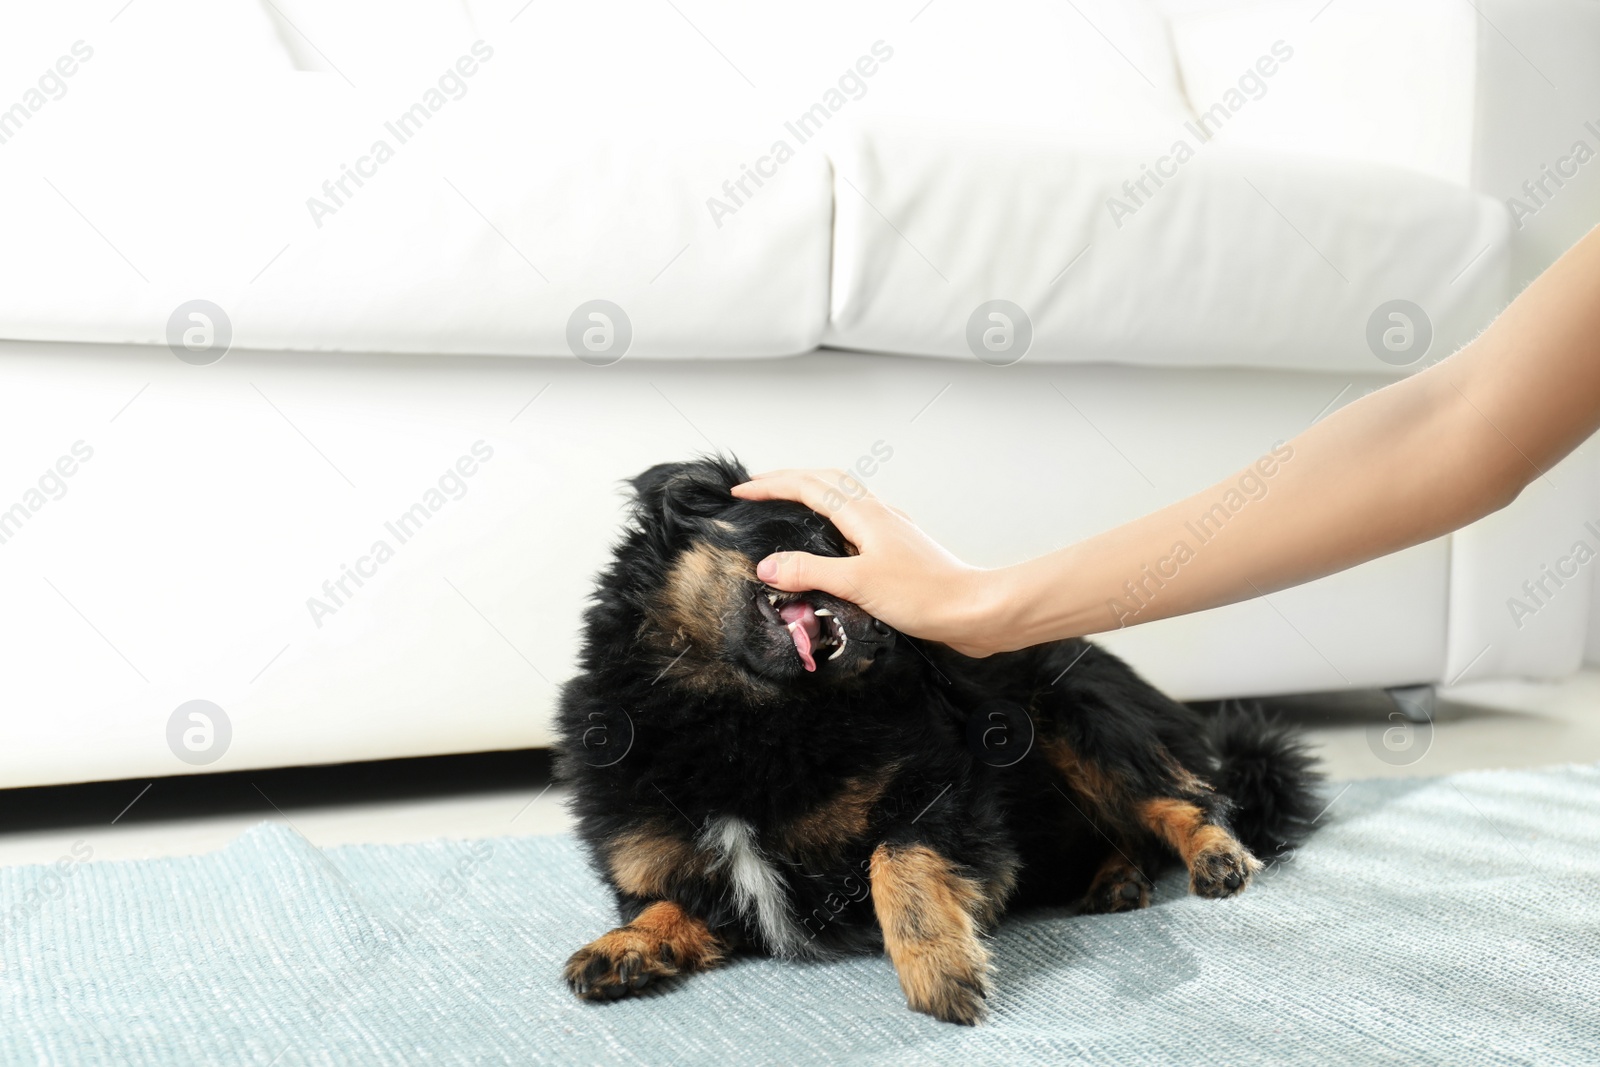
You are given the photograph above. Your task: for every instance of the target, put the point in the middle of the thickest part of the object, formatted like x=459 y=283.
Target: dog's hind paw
x=1119 y=886
x=1222 y=869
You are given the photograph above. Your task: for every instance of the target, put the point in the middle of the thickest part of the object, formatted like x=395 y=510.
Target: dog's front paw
x=662 y=941
x=622 y=962
x=962 y=999
x=1222 y=869
x=949 y=981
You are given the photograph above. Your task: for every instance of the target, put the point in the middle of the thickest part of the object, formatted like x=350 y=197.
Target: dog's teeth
x=843 y=640
x=824 y=612
x=772 y=598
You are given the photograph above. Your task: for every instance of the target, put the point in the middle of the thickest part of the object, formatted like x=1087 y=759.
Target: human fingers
x=830 y=493
x=800 y=572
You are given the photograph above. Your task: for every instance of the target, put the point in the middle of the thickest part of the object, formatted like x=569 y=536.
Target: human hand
x=901 y=575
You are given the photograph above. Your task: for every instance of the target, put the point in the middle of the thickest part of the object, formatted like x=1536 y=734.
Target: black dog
x=784 y=773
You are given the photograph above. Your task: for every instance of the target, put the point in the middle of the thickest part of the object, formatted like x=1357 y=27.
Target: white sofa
x=173 y=529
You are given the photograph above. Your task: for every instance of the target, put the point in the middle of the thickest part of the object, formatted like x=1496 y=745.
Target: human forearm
x=1368 y=480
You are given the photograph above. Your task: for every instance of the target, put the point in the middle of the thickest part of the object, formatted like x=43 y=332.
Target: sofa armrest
x=1536 y=131
x=1495 y=95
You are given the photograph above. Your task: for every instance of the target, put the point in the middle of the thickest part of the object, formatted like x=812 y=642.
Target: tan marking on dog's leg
x=1219 y=866
x=926 y=910
x=645 y=862
x=1184 y=781
x=1099 y=788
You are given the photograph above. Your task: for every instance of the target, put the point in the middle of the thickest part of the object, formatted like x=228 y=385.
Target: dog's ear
x=670 y=499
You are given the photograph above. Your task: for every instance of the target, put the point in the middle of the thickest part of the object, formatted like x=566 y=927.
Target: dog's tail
x=1267 y=770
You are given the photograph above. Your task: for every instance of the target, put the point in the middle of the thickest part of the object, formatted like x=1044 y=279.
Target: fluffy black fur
x=734 y=800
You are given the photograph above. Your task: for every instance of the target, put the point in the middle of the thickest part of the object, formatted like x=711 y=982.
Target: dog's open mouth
x=816 y=632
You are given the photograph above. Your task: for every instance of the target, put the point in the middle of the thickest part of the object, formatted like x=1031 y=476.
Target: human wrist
x=1033 y=602
x=992 y=609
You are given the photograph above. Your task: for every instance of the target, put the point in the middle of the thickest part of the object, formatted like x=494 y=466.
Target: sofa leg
x=1415 y=702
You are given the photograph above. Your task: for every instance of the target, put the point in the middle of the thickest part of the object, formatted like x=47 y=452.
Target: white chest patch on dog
x=758 y=890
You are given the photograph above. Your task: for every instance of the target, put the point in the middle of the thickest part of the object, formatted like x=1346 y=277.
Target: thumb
x=798 y=572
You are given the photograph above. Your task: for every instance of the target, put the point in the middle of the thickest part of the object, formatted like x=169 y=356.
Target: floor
x=1501 y=724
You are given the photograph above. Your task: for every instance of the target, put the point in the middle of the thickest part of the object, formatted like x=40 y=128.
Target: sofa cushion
x=475 y=229
x=1236 y=257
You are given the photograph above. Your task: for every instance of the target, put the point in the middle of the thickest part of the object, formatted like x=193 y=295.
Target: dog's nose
x=881 y=628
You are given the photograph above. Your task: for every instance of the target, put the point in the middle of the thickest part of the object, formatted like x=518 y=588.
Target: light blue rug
x=1452 y=920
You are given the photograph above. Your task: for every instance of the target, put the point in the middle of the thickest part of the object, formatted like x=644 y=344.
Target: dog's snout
x=880 y=637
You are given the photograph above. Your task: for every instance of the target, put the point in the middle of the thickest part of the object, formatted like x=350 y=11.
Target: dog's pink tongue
x=803 y=627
